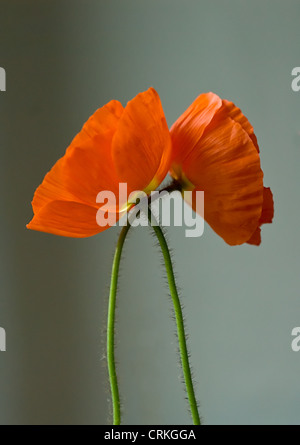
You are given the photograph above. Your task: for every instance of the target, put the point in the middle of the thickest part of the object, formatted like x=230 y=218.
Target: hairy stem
x=179 y=322
x=111 y=327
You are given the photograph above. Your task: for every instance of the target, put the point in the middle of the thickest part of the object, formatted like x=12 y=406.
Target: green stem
x=111 y=327
x=179 y=322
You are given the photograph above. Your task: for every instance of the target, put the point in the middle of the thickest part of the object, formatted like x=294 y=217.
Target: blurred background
x=63 y=60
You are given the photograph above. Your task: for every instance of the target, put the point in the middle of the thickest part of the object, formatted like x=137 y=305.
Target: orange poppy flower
x=215 y=150
x=116 y=145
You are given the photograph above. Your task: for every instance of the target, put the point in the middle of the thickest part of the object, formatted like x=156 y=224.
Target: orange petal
x=268 y=207
x=141 y=147
x=189 y=127
x=66 y=218
x=266 y=216
x=255 y=239
x=231 y=110
x=87 y=167
x=225 y=164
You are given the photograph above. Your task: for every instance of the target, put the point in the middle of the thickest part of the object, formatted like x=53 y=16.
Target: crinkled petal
x=226 y=165
x=231 y=110
x=141 y=147
x=67 y=218
x=267 y=213
x=255 y=239
x=87 y=167
x=190 y=126
x=266 y=216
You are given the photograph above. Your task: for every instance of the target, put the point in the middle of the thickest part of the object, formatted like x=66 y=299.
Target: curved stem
x=179 y=322
x=111 y=327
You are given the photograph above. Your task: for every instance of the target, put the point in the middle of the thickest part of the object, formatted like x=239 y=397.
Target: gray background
x=63 y=60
